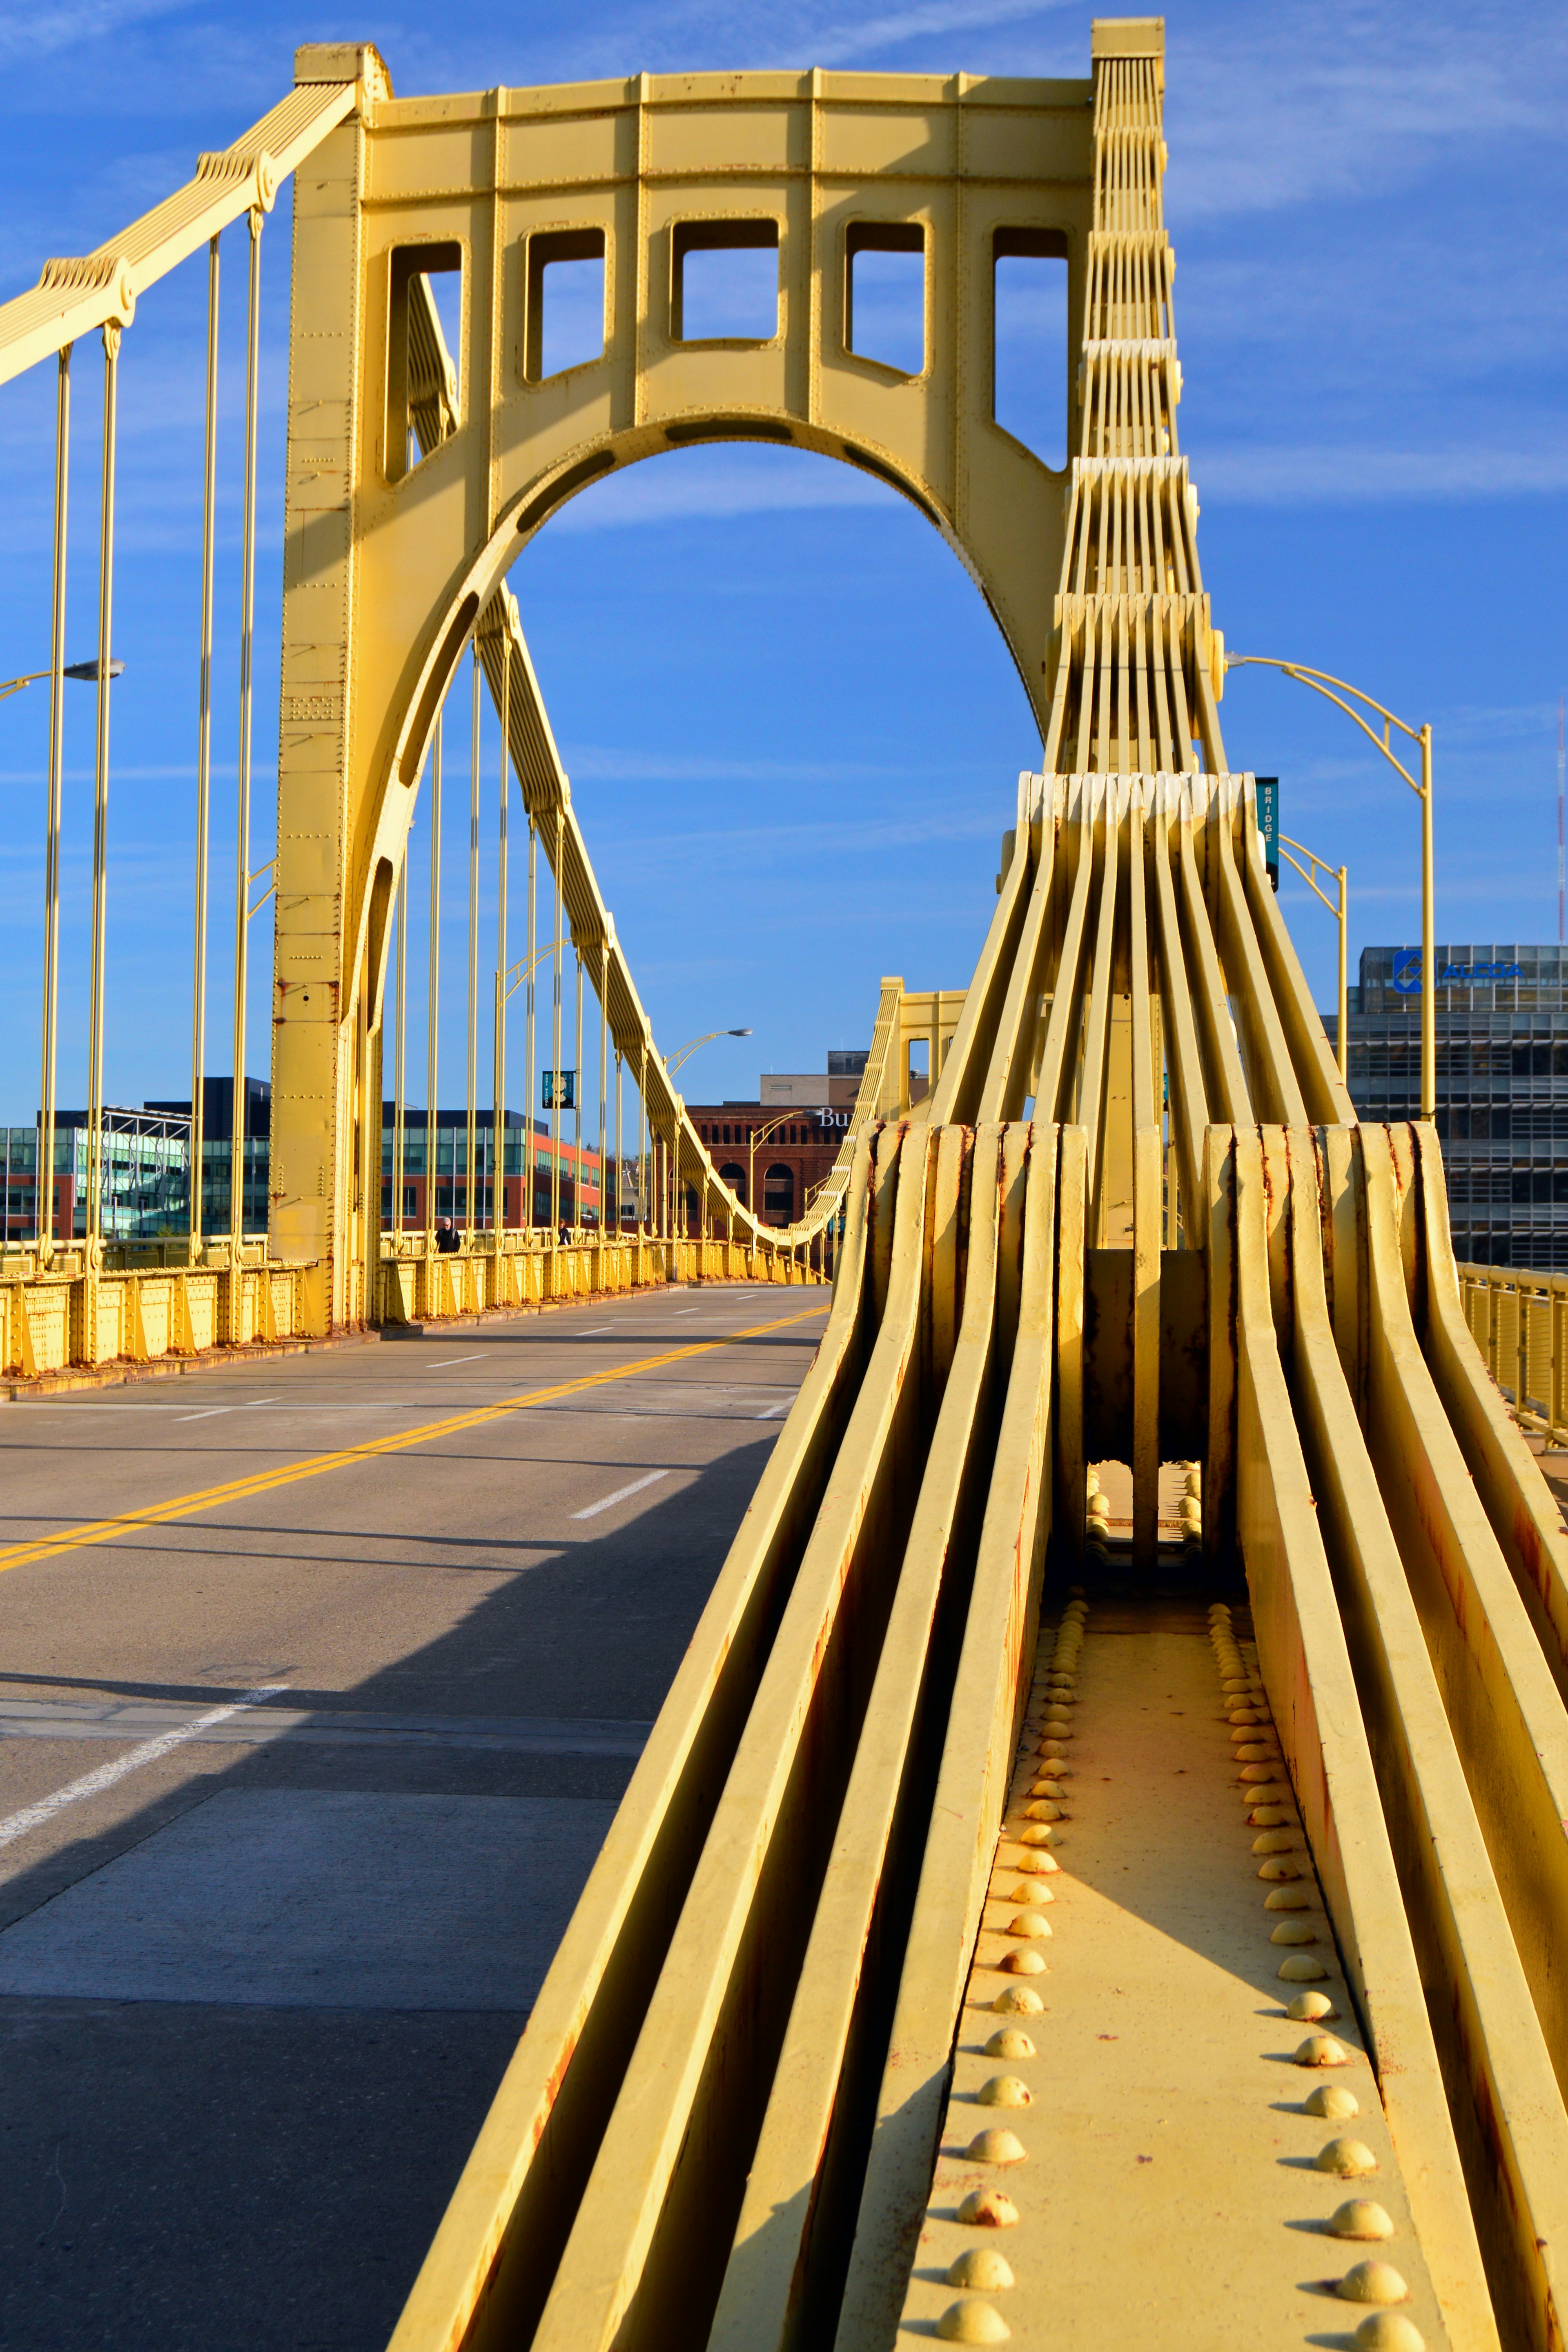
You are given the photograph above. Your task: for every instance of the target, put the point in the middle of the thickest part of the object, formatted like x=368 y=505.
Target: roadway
x=300 y=1774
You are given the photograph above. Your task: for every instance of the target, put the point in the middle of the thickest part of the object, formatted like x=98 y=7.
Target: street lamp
x=674 y=1061
x=508 y=983
x=87 y=671
x=1318 y=864
x=755 y=1136
x=1335 y=689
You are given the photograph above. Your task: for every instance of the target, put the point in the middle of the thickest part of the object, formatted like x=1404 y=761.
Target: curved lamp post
x=85 y=671
x=1335 y=689
x=508 y=983
x=673 y=1062
x=1309 y=873
x=759 y=1135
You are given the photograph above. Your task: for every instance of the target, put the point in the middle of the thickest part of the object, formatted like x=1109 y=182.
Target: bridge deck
x=255 y=1993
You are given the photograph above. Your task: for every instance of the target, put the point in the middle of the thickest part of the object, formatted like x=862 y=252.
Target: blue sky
x=793 y=731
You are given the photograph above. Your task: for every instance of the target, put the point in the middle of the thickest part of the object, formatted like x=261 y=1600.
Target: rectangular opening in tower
x=884 y=293
x=424 y=344
x=724 y=281
x=1030 y=361
x=564 y=301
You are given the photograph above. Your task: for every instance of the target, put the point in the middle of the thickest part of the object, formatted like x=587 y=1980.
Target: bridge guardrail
x=67 y=1319
x=1519 y=1320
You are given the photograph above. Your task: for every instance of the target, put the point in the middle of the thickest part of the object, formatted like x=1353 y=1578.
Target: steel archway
x=416 y=475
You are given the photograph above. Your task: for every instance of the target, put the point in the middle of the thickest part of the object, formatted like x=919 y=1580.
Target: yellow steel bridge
x=1101 y=1873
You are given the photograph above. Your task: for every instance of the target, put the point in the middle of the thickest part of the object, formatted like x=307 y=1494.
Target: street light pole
x=1335 y=689
x=1316 y=863
x=1429 y=952
x=754 y=1136
x=88 y=674
x=673 y=1062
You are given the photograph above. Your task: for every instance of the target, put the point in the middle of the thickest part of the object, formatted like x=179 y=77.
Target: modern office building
x=443 y=1192
x=217 y=1157
x=20 y=1146
x=147 y=1159
x=1502 y=1091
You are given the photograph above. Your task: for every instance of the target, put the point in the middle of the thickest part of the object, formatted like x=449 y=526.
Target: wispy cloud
x=610 y=764
x=744 y=845
x=671 y=490
x=1348 y=474
x=38 y=32
x=1332 y=100
x=833 y=44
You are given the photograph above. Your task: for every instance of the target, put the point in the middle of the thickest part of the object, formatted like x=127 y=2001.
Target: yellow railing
x=68 y=1321
x=420 y=1286
x=70 y=1318
x=1519 y=1322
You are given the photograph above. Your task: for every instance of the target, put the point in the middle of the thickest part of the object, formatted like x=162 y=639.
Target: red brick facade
x=790 y=1161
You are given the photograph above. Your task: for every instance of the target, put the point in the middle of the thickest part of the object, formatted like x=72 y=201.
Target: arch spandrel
x=384 y=561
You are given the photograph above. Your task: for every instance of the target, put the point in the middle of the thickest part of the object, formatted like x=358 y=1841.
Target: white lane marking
x=688 y=1310
x=620 y=1494
x=772 y=1409
x=307 y=1403
x=92 y=1784
x=597 y=1332
x=447 y=1361
x=212 y=1410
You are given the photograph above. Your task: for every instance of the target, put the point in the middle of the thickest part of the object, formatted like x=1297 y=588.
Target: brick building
x=795 y=1148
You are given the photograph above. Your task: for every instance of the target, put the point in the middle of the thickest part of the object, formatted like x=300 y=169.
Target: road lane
x=471 y=1667
x=66 y=1533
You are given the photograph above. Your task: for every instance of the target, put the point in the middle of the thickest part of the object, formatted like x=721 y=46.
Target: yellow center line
x=209 y=1498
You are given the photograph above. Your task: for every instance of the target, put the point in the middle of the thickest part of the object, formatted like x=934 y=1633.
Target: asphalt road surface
x=299 y=1781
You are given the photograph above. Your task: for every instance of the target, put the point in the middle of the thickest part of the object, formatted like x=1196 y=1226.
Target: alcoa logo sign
x=1408 y=972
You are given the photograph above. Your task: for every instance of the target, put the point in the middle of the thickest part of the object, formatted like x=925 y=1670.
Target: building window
x=779 y=1192
x=734 y=1177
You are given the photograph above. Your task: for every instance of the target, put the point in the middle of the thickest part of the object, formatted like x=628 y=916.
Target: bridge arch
x=417 y=472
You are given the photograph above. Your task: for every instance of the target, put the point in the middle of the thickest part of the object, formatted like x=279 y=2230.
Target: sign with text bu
x=559 y=1089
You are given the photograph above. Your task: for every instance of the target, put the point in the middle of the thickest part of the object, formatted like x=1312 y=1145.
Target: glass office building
x=1502 y=1086
x=143 y=1172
